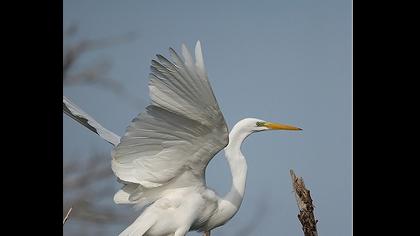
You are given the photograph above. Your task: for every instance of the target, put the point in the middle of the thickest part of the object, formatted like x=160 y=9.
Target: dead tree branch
x=86 y=183
x=305 y=205
x=95 y=73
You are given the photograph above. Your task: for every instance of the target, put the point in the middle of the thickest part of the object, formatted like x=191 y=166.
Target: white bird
x=163 y=155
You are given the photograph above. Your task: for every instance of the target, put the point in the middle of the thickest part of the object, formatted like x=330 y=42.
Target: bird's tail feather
x=86 y=120
x=140 y=226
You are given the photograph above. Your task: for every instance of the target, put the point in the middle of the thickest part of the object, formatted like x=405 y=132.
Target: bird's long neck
x=237 y=164
x=230 y=204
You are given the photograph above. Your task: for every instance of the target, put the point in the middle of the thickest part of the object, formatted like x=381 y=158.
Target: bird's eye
x=259 y=123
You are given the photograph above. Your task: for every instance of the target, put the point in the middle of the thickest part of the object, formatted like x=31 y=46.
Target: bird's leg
x=207 y=233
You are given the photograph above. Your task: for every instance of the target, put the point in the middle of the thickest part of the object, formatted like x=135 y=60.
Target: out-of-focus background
x=285 y=61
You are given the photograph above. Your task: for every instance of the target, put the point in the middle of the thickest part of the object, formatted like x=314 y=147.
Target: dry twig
x=67 y=215
x=306 y=208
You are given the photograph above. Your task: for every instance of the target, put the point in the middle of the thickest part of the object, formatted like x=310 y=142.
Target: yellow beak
x=278 y=126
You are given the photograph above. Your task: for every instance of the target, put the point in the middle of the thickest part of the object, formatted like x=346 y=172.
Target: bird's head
x=256 y=125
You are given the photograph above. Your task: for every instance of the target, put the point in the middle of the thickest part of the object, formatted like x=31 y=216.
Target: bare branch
x=84 y=173
x=93 y=73
x=71 y=53
x=67 y=215
x=86 y=185
x=306 y=208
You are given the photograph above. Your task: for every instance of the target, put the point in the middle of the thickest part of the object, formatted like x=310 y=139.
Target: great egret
x=162 y=157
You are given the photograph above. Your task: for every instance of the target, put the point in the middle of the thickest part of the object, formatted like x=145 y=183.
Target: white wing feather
x=86 y=120
x=180 y=131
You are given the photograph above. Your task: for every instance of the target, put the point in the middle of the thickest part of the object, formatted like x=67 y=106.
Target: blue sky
x=284 y=61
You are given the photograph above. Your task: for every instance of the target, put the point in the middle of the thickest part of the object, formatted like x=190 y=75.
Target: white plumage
x=162 y=157
x=86 y=120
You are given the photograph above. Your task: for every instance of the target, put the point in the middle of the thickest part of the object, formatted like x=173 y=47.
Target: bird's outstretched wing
x=180 y=131
x=86 y=120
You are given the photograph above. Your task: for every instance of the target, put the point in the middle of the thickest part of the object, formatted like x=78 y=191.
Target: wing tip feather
x=199 y=61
